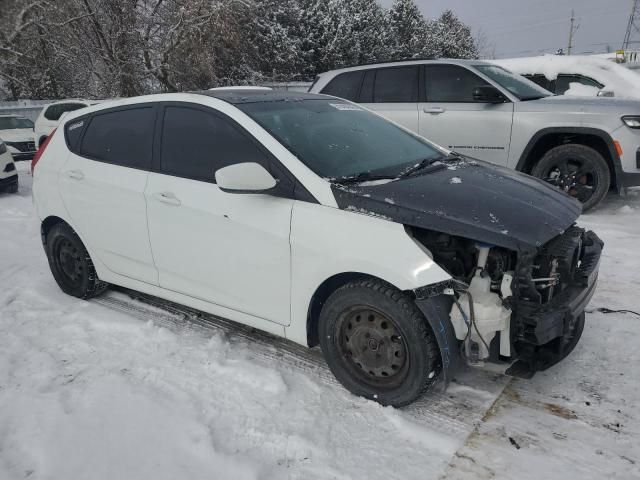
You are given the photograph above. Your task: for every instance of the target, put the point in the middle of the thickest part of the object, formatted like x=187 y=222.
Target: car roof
x=241 y=96
x=395 y=63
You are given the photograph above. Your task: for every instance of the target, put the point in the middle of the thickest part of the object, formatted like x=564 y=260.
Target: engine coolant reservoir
x=490 y=315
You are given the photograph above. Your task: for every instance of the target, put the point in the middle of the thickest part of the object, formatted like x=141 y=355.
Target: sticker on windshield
x=345 y=106
x=73 y=126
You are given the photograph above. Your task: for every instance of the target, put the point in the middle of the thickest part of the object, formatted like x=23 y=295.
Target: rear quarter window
x=121 y=137
x=345 y=85
x=73 y=133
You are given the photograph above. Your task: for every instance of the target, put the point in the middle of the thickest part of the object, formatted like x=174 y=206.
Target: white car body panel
x=326 y=242
x=106 y=205
x=192 y=242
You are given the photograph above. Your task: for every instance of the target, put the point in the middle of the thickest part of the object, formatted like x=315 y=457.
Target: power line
x=632 y=26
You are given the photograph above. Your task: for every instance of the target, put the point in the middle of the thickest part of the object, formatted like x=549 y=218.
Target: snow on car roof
x=621 y=80
x=239 y=96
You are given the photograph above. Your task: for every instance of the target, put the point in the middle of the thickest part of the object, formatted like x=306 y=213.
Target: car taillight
x=40 y=151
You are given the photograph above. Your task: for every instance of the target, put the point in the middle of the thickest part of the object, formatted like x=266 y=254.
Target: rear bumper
x=545 y=334
x=9 y=181
x=630 y=179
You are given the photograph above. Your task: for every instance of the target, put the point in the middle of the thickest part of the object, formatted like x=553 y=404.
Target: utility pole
x=634 y=19
x=572 y=29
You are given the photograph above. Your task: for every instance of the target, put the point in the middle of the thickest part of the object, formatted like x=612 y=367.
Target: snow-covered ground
x=122 y=388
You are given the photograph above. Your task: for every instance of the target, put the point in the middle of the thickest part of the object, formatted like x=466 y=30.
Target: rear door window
x=451 y=84
x=345 y=85
x=196 y=143
x=122 y=137
x=541 y=80
x=396 y=85
x=563 y=82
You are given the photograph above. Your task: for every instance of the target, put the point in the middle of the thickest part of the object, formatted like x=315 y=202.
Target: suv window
x=396 y=85
x=345 y=85
x=122 y=137
x=451 y=83
x=541 y=80
x=563 y=82
x=196 y=143
x=54 y=112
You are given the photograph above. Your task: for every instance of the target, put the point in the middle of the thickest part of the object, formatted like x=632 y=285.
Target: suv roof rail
x=397 y=60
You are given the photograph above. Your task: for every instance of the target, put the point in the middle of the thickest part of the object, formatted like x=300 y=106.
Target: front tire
x=377 y=343
x=71 y=264
x=578 y=170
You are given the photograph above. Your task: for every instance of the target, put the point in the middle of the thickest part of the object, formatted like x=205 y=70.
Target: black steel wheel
x=578 y=170
x=71 y=264
x=377 y=342
x=372 y=346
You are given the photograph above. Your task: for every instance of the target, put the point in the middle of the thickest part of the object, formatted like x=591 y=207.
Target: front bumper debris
x=546 y=333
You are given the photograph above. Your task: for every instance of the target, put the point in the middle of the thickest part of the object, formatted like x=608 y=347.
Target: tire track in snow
x=455 y=412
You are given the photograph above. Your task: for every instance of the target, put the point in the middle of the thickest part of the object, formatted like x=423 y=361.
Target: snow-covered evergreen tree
x=409 y=31
x=452 y=37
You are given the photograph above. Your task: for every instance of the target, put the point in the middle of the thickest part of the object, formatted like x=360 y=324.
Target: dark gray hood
x=470 y=199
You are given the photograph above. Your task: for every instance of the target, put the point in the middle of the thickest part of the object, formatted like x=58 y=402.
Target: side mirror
x=488 y=94
x=606 y=93
x=245 y=178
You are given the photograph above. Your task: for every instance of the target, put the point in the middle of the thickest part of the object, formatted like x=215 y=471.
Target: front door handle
x=168 y=198
x=433 y=110
x=75 y=174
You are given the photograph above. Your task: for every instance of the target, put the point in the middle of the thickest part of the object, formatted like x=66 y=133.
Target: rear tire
x=13 y=188
x=377 y=343
x=71 y=264
x=578 y=170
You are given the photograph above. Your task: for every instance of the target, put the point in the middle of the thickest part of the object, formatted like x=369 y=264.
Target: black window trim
x=424 y=85
x=296 y=190
x=91 y=116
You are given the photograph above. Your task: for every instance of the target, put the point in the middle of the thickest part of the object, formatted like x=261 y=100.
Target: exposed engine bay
x=524 y=307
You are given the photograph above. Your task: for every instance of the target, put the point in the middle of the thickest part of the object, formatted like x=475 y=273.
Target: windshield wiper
x=362 y=177
x=421 y=165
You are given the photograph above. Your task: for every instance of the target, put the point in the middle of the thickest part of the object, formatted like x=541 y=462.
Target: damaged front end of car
x=524 y=309
x=521 y=271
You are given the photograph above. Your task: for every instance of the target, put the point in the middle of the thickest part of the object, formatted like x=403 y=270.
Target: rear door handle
x=168 y=198
x=75 y=174
x=433 y=110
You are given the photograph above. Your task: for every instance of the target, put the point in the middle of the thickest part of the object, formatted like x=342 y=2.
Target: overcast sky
x=517 y=28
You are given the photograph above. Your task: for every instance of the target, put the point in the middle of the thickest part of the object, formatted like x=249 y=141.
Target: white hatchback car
x=314 y=219
x=50 y=115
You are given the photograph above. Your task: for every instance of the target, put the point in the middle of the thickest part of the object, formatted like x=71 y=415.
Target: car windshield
x=516 y=84
x=337 y=139
x=10 y=123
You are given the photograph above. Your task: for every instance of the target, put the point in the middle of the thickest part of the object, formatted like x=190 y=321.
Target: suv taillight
x=40 y=151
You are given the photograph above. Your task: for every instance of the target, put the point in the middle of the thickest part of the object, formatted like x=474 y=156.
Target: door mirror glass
x=488 y=94
x=246 y=177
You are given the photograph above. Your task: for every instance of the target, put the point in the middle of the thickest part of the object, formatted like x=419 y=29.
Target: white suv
x=50 y=115
x=313 y=219
x=584 y=146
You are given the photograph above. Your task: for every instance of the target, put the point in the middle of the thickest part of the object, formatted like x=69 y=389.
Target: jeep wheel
x=71 y=264
x=377 y=343
x=578 y=170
